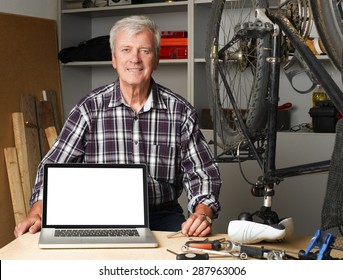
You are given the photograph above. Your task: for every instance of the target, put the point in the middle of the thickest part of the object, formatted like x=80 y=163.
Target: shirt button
x=136 y=142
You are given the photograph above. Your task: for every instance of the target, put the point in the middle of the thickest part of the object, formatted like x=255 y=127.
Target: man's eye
x=145 y=51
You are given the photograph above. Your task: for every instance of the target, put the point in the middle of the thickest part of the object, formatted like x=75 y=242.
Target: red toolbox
x=174 y=45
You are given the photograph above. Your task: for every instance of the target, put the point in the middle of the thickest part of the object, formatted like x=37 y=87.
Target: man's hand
x=197 y=224
x=32 y=223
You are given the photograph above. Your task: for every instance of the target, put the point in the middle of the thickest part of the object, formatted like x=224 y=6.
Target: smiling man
x=135 y=57
x=136 y=120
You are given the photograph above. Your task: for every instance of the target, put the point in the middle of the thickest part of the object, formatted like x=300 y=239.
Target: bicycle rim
x=328 y=17
x=246 y=72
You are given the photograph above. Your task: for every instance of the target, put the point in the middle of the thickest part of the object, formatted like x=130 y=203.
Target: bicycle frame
x=272 y=175
x=318 y=71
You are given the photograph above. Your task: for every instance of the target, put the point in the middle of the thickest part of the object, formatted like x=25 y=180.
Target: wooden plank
x=22 y=153
x=19 y=207
x=51 y=135
x=50 y=95
x=28 y=108
x=45 y=119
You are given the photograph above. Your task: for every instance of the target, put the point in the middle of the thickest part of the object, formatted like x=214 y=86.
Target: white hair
x=134 y=25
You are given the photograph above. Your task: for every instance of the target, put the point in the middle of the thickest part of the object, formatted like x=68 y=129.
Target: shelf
x=199 y=60
x=109 y=63
x=123 y=10
x=203 y=2
x=173 y=61
x=87 y=63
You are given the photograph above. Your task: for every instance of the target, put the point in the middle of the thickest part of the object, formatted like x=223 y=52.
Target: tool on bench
x=213 y=252
x=257 y=252
x=324 y=245
x=190 y=256
x=210 y=247
x=176 y=233
x=207 y=244
x=230 y=249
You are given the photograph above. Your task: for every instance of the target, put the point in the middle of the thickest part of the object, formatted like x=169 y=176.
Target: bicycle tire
x=329 y=23
x=248 y=83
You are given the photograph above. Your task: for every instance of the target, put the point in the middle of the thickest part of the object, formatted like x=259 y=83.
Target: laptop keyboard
x=96 y=232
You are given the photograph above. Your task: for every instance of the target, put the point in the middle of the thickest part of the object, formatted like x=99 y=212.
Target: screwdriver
x=206 y=244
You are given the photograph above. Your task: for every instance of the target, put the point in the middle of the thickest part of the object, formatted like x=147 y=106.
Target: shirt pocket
x=162 y=162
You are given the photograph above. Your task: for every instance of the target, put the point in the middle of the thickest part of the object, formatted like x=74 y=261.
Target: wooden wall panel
x=28 y=65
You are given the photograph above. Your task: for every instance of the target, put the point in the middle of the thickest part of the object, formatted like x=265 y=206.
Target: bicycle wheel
x=328 y=18
x=246 y=72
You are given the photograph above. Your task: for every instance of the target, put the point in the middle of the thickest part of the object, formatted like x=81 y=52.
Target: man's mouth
x=134 y=69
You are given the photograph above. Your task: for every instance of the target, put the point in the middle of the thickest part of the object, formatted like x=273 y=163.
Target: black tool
x=190 y=256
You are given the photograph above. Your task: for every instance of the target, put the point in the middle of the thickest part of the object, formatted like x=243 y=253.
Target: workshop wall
x=36 y=8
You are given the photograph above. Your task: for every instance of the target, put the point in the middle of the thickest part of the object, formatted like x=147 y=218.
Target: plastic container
x=318 y=95
x=324 y=117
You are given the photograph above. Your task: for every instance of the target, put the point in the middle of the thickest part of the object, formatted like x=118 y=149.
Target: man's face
x=134 y=58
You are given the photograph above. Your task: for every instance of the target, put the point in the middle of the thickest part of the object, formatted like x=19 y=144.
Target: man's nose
x=135 y=56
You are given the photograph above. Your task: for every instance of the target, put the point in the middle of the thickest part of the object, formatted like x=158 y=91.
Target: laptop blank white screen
x=95 y=196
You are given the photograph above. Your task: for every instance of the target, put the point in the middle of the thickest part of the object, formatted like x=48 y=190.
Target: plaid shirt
x=165 y=135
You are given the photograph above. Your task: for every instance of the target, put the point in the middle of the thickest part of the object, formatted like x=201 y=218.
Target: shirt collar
x=154 y=100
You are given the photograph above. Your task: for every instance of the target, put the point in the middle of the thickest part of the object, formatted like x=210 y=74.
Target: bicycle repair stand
x=272 y=176
x=324 y=247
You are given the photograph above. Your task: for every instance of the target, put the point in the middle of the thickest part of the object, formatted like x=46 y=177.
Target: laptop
x=95 y=206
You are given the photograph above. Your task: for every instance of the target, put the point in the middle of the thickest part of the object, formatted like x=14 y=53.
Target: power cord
x=240 y=166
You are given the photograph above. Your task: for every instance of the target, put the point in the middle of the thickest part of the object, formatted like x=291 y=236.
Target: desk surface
x=26 y=247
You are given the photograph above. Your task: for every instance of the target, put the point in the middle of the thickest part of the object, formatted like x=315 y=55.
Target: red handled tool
x=285 y=106
x=206 y=244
